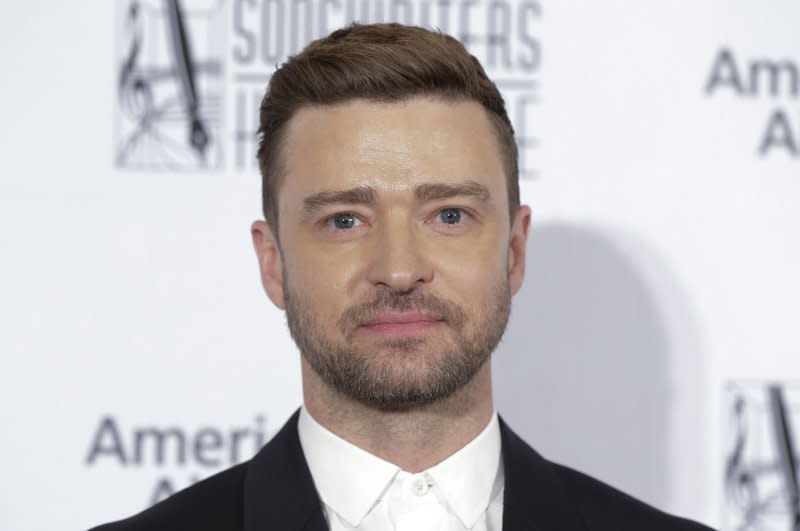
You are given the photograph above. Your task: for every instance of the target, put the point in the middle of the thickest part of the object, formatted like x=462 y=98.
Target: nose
x=399 y=259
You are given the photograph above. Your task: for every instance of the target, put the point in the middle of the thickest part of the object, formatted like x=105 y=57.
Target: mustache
x=386 y=301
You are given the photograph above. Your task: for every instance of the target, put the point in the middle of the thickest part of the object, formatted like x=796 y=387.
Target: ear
x=270 y=261
x=517 y=247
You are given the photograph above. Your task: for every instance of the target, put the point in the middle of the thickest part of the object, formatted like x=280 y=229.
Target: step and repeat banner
x=655 y=343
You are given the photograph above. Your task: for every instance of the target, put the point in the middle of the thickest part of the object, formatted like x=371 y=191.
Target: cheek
x=473 y=270
x=322 y=278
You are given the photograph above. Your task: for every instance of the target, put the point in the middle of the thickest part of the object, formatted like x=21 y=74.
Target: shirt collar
x=469 y=479
x=351 y=480
x=348 y=479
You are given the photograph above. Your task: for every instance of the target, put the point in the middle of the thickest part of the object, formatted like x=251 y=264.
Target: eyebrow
x=432 y=192
x=365 y=195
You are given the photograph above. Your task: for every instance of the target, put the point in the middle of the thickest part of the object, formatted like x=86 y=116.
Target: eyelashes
x=343 y=221
x=450 y=217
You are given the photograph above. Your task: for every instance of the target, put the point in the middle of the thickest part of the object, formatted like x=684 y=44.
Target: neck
x=414 y=439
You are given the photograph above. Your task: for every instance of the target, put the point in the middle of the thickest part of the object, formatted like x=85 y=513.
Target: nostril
x=398 y=262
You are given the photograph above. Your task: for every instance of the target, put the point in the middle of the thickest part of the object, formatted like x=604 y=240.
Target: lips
x=402 y=318
x=402 y=323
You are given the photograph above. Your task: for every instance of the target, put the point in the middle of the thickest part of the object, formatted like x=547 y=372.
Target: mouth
x=402 y=323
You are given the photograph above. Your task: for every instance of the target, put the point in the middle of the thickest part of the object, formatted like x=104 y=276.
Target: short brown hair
x=382 y=62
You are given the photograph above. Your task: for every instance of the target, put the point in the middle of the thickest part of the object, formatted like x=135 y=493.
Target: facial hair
x=403 y=373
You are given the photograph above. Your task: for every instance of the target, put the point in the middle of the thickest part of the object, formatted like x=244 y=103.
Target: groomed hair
x=380 y=62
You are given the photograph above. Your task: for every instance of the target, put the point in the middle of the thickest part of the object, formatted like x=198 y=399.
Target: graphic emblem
x=170 y=85
x=761 y=488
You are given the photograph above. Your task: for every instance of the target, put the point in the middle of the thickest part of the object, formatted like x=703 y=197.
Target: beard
x=402 y=373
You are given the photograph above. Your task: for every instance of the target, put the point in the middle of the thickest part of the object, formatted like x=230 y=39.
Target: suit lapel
x=280 y=494
x=534 y=497
x=278 y=490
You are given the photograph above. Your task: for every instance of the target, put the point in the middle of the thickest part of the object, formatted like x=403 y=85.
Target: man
x=394 y=240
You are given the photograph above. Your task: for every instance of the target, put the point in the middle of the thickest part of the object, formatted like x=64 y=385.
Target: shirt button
x=421 y=486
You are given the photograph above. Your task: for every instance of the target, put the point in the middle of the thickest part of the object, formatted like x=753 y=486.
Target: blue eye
x=344 y=221
x=450 y=216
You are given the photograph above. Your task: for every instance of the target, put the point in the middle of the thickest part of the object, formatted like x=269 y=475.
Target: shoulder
x=272 y=490
x=213 y=504
x=538 y=490
x=604 y=507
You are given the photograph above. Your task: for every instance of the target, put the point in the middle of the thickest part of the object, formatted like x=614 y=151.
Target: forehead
x=390 y=146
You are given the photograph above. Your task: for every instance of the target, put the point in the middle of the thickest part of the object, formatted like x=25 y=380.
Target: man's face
x=397 y=256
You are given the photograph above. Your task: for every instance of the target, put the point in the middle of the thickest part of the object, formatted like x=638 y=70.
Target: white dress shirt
x=361 y=491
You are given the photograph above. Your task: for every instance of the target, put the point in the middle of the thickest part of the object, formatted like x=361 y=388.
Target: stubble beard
x=404 y=373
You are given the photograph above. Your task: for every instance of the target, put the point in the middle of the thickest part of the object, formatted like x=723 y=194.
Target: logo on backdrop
x=172 y=77
x=761 y=482
x=173 y=456
x=169 y=86
x=774 y=80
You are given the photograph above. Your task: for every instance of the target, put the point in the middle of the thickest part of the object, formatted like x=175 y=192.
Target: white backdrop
x=664 y=251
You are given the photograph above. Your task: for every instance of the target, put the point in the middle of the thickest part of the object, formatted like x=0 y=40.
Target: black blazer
x=275 y=491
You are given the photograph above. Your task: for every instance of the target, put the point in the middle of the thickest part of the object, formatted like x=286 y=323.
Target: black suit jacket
x=275 y=491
